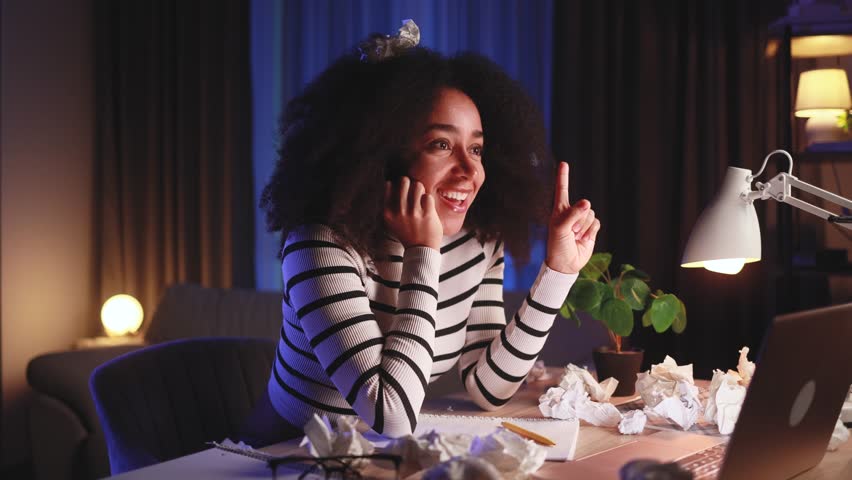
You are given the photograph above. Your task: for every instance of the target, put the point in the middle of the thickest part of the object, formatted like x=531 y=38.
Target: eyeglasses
x=345 y=467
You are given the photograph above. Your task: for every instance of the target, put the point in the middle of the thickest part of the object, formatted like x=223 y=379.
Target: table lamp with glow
x=727 y=234
x=822 y=97
x=121 y=315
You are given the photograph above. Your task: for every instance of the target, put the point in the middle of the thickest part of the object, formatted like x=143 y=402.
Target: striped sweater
x=365 y=338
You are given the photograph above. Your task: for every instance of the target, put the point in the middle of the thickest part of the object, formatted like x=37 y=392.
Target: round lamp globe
x=121 y=314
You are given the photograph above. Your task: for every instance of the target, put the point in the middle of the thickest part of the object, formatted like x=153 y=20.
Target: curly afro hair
x=353 y=127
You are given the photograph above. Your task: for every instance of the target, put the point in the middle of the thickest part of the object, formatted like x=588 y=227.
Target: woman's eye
x=441 y=144
x=476 y=150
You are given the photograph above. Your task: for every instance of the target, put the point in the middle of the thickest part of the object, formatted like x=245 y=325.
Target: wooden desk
x=594 y=456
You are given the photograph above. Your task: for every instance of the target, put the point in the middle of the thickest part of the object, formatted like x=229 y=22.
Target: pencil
x=540 y=439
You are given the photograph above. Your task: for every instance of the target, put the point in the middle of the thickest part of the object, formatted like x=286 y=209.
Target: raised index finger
x=560 y=196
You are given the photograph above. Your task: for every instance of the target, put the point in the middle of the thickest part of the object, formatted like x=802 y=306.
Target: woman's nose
x=466 y=163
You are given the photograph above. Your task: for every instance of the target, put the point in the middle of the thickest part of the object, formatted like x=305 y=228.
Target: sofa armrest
x=65 y=376
x=56 y=436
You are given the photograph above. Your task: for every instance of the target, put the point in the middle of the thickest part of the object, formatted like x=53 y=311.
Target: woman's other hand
x=410 y=214
x=572 y=231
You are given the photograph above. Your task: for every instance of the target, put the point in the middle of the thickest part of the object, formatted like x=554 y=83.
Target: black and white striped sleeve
x=497 y=356
x=382 y=376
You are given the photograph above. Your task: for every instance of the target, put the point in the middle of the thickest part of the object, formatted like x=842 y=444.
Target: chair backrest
x=189 y=310
x=167 y=400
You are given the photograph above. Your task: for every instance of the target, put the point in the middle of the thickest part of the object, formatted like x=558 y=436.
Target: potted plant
x=616 y=301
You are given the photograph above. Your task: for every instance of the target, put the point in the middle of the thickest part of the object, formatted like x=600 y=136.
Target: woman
x=393 y=239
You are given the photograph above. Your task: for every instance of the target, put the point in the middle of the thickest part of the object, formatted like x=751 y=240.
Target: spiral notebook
x=562 y=432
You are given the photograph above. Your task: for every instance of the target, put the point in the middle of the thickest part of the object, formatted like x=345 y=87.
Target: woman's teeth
x=458 y=196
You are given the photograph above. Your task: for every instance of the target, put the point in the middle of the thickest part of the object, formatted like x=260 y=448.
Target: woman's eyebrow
x=451 y=129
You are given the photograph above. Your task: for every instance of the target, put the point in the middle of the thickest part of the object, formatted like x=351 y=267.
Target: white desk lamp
x=727 y=235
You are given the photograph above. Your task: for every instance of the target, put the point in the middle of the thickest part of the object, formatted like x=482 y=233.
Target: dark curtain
x=652 y=101
x=173 y=179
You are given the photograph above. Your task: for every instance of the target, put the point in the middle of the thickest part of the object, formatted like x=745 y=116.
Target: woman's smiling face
x=448 y=157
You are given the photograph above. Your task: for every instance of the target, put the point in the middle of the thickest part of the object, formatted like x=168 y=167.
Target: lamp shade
x=727 y=234
x=821 y=46
x=121 y=314
x=823 y=92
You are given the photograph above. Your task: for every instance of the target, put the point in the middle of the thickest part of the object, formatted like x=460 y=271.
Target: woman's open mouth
x=457 y=200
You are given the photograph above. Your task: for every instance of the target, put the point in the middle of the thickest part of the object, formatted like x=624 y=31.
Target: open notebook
x=562 y=432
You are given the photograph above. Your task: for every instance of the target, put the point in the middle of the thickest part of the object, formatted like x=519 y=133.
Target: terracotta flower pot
x=623 y=366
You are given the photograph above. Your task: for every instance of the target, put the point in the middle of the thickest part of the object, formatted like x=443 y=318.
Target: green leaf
x=617 y=316
x=606 y=294
x=606 y=291
x=568 y=312
x=635 y=292
x=646 y=318
x=679 y=323
x=636 y=273
x=595 y=313
x=627 y=267
x=584 y=295
x=598 y=264
x=663 y=311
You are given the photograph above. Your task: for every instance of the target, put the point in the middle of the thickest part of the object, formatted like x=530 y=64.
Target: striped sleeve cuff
x=422 y=266
x=551 y=287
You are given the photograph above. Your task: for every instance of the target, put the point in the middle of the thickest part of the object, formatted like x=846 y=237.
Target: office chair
x=167 y=400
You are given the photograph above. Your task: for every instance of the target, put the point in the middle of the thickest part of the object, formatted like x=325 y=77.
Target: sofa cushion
x=194 y=311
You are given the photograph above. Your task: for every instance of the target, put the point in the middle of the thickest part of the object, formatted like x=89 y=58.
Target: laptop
x=801 y=379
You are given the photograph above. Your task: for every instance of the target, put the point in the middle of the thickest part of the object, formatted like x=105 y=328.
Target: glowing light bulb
x=728 y=266
x=121 y=314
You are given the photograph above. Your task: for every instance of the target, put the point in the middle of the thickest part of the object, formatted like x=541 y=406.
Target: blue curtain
x=294 y=40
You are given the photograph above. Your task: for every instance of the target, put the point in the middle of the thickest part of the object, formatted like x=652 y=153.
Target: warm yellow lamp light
x=823 y=92
x=822 y=96
x=121 y=314
x=821 y=46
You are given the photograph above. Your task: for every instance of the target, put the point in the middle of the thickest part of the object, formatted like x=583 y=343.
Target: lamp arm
x=780 y=187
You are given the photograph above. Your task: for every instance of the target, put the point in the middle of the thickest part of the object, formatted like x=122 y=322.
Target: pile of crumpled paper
x=502 y=454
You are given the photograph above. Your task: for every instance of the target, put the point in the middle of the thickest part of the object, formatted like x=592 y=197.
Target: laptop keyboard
x=704 y=464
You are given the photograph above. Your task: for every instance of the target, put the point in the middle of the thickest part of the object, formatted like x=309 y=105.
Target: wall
x=46 y=132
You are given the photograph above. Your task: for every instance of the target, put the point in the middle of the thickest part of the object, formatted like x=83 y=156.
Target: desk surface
x=595 y=457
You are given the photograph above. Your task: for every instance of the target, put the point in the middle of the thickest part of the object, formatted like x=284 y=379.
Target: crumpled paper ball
x=324 y=441
x=669 y=391
x=725 y=400
x=598 y=392
x=661 y=381
x=727 y=393
x=463 y=468
x=514 y=456
x=560 y=403
x=428 y=450
x=633 y=422
x=600 y=414
x=745 y=367
x=571 y=400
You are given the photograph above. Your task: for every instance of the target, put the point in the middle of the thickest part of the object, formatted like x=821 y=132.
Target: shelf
x=837 y=151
